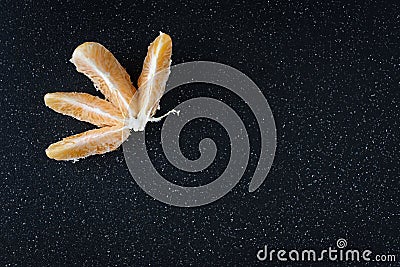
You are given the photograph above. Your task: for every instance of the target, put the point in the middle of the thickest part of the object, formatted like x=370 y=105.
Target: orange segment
x=158 y=58
x=85 y=107
x=88 y=143
x=154 y=76
x=108 y=76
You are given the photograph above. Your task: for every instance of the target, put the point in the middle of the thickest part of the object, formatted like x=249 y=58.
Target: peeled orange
x=123 y=109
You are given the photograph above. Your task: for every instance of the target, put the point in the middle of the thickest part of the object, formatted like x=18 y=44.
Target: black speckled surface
x=330 y=72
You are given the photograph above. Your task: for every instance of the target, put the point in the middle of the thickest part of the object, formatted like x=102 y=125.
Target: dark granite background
x=330 y=72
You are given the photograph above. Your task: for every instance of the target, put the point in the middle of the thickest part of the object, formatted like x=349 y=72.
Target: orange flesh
x=108 y=76
x=123 y=103
x=85 y=107
x=97 y=141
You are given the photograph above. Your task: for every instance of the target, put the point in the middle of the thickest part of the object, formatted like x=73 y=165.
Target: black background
x=330 y=72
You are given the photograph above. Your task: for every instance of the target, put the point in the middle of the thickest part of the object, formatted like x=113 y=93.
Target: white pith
x=93 y=109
